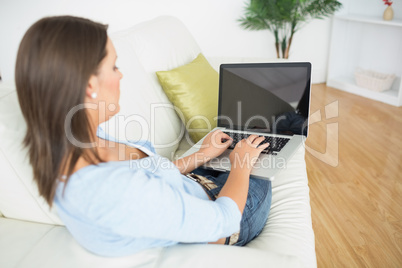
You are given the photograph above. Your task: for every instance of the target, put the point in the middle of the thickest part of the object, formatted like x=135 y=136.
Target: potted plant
x=285 y=17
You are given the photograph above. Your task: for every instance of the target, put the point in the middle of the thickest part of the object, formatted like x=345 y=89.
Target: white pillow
x=144 y=112
x=163 y=43
x=19 y=196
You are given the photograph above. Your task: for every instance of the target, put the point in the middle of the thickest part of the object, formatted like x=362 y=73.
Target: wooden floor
x=354 y=164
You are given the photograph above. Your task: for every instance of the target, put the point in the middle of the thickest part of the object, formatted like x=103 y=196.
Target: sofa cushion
x=289 y=226
x=19 y=195
x=40 y=245
x=193 y=89
x=143 y=114
x=163 y=43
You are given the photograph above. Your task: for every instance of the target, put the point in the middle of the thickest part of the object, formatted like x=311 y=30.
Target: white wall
x=212 y=22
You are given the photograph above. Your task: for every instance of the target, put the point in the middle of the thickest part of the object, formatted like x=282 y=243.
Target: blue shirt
x=118 y=208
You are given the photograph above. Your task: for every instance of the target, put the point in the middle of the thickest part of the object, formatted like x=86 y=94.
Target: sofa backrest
x=160 y=44
x=19 y=196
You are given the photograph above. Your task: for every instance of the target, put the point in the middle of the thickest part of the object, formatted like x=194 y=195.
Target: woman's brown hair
x=55 y=60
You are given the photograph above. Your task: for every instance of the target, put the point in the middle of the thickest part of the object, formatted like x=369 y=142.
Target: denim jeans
x=257 y=207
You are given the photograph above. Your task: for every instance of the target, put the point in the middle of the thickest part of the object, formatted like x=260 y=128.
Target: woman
x=67 y=84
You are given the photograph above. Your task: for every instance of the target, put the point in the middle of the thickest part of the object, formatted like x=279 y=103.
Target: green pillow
x=193 y=89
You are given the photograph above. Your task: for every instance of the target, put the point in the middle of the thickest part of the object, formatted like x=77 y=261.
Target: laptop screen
x=265 y=97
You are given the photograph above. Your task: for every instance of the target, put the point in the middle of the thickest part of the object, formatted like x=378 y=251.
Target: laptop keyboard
x=275 y=143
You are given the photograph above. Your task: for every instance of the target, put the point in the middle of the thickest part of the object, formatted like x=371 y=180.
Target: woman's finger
x=256 y=140
x=250 y=139
x=263 y=146
x=226 y=136
x=259 y=139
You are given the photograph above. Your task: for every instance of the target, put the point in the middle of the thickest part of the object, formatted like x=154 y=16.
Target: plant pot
x=388 y=13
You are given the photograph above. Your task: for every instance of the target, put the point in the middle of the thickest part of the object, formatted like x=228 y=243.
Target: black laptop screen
x=265 y=97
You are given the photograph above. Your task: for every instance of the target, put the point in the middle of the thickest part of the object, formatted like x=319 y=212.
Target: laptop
x=266 y=99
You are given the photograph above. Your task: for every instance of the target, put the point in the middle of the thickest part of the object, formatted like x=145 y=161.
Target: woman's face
x=108 y=84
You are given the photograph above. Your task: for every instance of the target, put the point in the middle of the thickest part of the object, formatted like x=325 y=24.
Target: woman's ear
x=92 y=87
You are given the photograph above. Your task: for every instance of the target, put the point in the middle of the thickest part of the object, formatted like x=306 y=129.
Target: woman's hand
x=246 y=152
x=215 y=143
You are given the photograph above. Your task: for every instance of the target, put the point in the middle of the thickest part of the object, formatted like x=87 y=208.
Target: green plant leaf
x=285 y=17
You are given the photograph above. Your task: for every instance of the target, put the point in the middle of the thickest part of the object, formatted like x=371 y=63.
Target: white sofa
x=31 y=235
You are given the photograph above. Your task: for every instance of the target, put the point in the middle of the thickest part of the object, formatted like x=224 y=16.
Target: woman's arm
x=137 y=203
x=242 y=159
x=212 y=146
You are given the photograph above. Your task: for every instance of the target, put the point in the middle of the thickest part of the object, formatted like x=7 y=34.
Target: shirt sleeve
x=145 y=206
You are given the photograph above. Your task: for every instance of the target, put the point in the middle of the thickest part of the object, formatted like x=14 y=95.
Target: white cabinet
x=366 y=41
